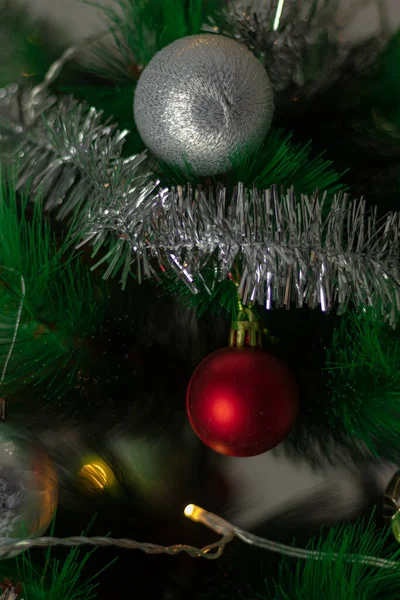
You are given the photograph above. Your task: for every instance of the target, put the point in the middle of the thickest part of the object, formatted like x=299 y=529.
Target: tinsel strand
x=288 y=251
x=291 y=249
x=284 y=36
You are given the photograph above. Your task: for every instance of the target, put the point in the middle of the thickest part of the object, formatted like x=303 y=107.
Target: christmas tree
x=199 y=259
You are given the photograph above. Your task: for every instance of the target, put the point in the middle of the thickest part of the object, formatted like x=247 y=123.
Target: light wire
x=212 y=551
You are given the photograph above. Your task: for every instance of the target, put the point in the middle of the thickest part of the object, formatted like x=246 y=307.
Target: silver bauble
x=28 y=487
x=202 y=100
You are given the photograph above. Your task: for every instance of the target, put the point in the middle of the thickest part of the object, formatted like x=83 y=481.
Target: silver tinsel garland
x=67 y=151
x=287 y=250
x=291 y=250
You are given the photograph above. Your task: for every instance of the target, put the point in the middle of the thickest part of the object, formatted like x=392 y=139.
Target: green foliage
x=56 y=579
x=141 y=28
x=217 y=297
x=364 y=380
x=280 y=161
x=25 y=51
x=61 y=580
x=61 y=306
x=340 y=579
x=384 y=90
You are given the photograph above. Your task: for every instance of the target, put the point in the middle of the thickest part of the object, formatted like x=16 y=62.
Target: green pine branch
x=27 y=47
x=363 y=364
x=60 y=308
x=340 y=579
x=279 y=161
x=62 y=580
x=218 y=297
x=56 y=579
x=375 y=99
x=141 y=28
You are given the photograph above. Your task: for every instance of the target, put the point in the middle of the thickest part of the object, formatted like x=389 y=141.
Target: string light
x=212 y=551
x=97 y=475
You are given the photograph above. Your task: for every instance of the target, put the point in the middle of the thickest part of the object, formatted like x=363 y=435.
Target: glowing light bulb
x=195 y=513
x=97 y=475
x=189 y=510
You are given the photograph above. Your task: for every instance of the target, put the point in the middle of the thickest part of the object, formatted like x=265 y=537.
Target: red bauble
x=242 y=401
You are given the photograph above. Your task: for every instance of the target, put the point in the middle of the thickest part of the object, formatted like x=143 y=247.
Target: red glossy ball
x=242 y=401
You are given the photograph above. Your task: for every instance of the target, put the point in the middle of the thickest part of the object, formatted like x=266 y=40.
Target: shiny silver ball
x=28 y=488
x=202 y=100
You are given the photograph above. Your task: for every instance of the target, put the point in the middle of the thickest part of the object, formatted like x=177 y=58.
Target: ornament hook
x=246 y=330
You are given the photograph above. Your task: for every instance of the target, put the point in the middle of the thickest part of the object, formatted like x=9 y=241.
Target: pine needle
x=60 y=308
x=281 y=161
x=60 y=580
x=141 y=28
x=27 y=47
x=339 y=579
x=364 y=381
x=216 y=297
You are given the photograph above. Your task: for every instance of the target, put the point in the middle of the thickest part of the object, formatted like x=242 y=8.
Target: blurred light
x=97 y=475
x=278 y=14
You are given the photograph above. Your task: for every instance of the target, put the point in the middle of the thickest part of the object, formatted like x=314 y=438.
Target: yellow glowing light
x=194 y=512
x=214 y=522
x=189 y=510
x=97 y=475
